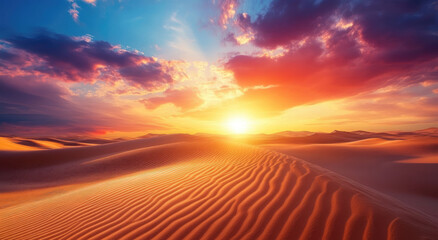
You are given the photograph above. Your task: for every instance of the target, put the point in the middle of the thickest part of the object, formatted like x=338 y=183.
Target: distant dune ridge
x=198 y=187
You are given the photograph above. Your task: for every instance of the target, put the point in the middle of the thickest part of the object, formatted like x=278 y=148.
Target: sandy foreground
x=355 y=185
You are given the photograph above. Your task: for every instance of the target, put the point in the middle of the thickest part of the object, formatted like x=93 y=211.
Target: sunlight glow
x=238 y=125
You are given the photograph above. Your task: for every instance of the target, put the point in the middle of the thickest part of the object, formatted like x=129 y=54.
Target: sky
x=126 y=67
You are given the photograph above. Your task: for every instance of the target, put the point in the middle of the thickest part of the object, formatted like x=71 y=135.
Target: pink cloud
x=227 y=11
x=92 y=2
x=185 y=99
x=74 y=12
x=74 y=8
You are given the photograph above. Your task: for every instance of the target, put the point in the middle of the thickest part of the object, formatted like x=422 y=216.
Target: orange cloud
x=184 y=98
x=227 y=11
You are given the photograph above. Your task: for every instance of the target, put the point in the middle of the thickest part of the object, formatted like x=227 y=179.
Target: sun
x=238 y=125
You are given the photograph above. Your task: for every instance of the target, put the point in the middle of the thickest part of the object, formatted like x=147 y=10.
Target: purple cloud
x=79 y=60
x=150 y=76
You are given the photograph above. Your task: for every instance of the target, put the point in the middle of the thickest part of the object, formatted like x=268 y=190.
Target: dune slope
x=202 y=190
x=405 y=169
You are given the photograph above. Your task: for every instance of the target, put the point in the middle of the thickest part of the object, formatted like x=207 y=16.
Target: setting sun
x=238 y=125
x=219 y=119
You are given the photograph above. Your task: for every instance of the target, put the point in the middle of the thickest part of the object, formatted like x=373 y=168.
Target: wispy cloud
x=74 y=8
x=74 y=12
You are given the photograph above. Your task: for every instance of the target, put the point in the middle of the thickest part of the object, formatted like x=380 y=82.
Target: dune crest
x=207 y=189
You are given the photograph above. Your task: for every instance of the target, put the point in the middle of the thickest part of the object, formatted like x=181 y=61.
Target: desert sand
x=402 y=165
x=211 y=187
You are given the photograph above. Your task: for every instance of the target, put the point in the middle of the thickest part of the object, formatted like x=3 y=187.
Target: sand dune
x=30 y=144
x=13 y=143
x=405 y=167
x=185 y=187
x=24 y=144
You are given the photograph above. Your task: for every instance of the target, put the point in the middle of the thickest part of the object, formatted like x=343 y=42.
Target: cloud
x=98 y=87
x=52 y=84
x=186 y=99
x=26 y=103
x=10 y=57
x=73 y=59
x=92 y=2
x=381 y=24
x=30 y=107
x=292 y=20
x=227 y=11
x=335 y=49
x=74 y=12
x=74 y=8
x=147 y=75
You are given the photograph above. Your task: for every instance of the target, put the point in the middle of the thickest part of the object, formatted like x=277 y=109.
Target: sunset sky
x=127 y=67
